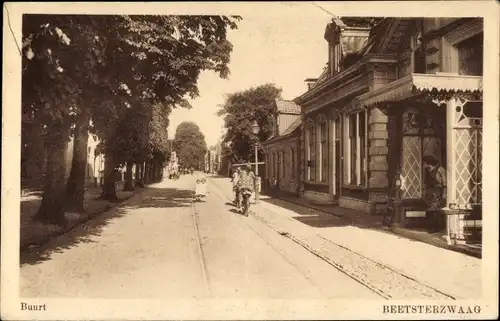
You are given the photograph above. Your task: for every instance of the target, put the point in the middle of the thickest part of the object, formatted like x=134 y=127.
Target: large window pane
x=353 y=148
x=324 y=152
x=312 y=141
x=412 y=167
x=470 y=56
x=362 y=151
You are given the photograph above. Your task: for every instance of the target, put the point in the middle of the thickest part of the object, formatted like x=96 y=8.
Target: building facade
x=391 y=96
x=282 y=149
x=34 y=156
x=94 y=171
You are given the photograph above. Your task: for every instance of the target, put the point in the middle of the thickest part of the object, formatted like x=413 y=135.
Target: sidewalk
x=34 y=233
x=370 y=254
x=360 y=219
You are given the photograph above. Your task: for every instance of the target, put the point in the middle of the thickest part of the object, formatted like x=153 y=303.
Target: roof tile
x=287 y=107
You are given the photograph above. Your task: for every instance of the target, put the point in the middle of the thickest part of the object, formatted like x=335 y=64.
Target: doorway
x=336 y=157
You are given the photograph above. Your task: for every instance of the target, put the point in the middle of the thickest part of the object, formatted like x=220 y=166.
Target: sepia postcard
x=250 y=160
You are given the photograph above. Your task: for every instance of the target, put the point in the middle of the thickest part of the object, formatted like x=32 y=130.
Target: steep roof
x=292 y=127
x=287 y=107
x=355 y=46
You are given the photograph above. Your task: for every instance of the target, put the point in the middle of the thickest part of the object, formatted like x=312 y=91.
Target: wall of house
x=94 y=164
x=288 y=174
x=33 y=154
x=441 y=37
x=284 y=121
x=317 y=187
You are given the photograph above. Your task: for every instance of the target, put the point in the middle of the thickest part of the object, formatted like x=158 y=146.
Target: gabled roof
x=322 y=77
x=287 y=133
x=355 y=45
x=287 y=107
x=292 y=127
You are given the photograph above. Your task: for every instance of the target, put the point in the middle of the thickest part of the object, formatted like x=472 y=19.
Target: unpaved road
x=159 y=244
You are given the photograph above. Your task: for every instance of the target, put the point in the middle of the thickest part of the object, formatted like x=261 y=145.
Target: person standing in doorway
x=435 y=190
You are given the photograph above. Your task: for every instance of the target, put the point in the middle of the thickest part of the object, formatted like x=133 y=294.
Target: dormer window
x=335 y=56
x=418 y=52
x=345 y=43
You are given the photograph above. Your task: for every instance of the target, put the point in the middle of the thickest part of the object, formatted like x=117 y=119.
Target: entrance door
x=337 y=168
x=336 y=174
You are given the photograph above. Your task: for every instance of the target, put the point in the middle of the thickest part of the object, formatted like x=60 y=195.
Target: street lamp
x=256 y=130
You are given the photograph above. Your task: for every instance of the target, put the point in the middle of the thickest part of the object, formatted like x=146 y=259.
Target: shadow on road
x=315 y=218
x=167 y=197
x=89 y=230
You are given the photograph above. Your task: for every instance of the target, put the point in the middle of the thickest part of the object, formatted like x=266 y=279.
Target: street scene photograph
x=246 y=157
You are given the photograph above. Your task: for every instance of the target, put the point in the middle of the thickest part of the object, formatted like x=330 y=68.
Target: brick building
x=282 y=148
x=390 y=95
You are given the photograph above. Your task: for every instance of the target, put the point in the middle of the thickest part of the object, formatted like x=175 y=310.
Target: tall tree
x=167 y=55
x=240 y=110
x=73 y=73
x=190 y=145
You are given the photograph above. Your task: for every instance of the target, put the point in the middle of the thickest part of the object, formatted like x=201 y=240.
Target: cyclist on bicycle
x=246 y=182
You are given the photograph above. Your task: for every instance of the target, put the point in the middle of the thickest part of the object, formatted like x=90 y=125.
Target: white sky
x=284 y=49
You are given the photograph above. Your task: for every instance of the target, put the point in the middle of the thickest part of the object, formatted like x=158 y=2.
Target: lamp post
x=256 y=130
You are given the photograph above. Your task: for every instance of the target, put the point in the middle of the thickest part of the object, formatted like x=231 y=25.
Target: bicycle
x=246 y=193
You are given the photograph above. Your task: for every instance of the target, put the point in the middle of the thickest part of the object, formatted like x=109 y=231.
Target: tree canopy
x=239 y=110
x=117 y=76
x=111 y=63
x=190 y=145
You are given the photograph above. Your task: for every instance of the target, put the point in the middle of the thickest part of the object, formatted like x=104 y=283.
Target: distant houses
x=34 y=156
x=282 y=148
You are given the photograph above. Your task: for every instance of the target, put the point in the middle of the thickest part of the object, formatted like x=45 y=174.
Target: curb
x=396 y=231
x=412 y=236
x=25 y=249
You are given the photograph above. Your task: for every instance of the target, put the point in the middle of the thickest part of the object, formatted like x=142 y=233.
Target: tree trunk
x=75 y=187
x=51 y=209
x=147 y=172
x=139 y=173
x=129 y=183
x=155 y=171
x=110 y=177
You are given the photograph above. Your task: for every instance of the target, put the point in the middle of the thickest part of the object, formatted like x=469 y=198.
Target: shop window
x=470 y=56
x=355 y=151
x=362 y=149
x=420 y=138
x=323 y=151
x=277 y=165
x=335 y=56
x=468 y=153
x=283 y=167
x=311 y=140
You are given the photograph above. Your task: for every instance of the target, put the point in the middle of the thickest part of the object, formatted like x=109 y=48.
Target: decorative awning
x=414 y=84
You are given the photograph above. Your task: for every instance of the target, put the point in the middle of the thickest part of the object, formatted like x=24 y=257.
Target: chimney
x=310 y=82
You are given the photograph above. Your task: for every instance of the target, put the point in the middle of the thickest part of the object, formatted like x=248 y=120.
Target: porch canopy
x=415 y=84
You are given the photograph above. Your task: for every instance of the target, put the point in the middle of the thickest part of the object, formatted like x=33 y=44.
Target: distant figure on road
x=234 y=180
x=200 y=190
